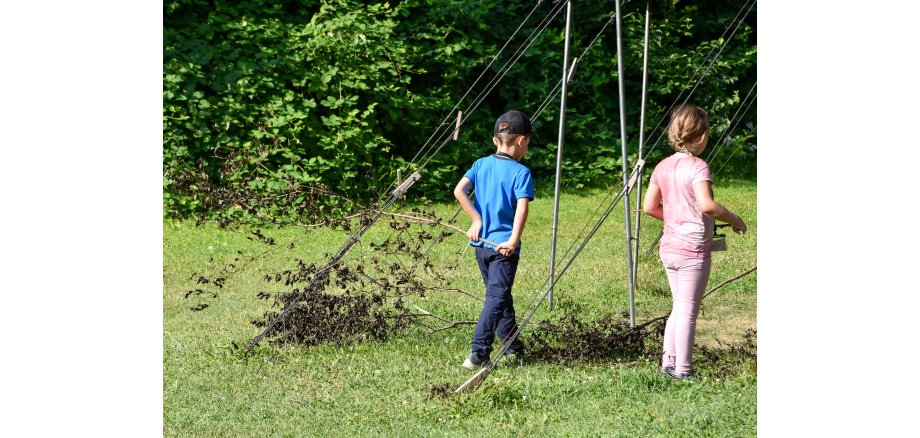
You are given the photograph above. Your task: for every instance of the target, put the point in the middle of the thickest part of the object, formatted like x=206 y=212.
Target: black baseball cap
x=512 y=122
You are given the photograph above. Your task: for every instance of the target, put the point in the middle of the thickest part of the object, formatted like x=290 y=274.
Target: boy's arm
x=520 y=218
x=460 y=192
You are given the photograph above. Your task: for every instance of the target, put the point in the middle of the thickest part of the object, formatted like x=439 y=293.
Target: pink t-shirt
x=687 y=230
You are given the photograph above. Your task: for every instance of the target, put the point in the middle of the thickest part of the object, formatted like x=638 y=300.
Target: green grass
x=384 y=388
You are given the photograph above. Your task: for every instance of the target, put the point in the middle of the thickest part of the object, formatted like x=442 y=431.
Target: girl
x=680 y=194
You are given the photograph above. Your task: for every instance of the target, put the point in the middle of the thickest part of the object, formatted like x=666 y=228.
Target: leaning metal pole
x=632 y=291
x=565 y=71
x=641 y=144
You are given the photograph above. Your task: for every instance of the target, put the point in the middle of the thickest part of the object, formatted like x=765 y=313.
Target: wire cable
x=700 y=80
x=743 y=104
x=484 y=70
x=704 y=61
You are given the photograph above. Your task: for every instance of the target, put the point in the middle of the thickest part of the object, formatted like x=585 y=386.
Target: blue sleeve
x=471 y=174
x=523 y=185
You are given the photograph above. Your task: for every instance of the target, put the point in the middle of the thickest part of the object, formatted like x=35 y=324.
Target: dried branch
x=451 y=324
x=427 y=313
x=436 y=222
x=729 y=281
x=456 y=290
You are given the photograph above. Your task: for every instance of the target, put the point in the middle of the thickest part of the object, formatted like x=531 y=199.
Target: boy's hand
x=506 y=248
x=474 y=230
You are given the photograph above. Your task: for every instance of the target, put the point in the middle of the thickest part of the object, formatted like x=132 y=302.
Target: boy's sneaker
x=474 y=362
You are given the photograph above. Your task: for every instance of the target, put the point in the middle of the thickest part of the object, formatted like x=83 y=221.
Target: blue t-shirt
x=499 y=182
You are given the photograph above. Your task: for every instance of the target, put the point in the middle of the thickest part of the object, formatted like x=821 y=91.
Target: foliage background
x=276 y=101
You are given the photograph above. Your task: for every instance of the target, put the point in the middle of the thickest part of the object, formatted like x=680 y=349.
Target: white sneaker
x=473 y=362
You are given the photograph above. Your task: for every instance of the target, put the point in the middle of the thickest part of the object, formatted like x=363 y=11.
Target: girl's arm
x=703 y=192
x=520 y=218
x=460 y=192
x=652 y=203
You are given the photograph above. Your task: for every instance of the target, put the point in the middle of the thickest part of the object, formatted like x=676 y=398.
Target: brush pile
x=610 y=337
x=325 y=318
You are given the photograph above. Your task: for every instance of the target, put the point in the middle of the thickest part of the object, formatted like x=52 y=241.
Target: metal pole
x=565 y=72
x=641 y=144
x=632 y=304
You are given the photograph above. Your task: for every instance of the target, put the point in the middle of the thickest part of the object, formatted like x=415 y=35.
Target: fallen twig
x=451 y=325
x=455 y=290
x=729 y=281
x=436 y=222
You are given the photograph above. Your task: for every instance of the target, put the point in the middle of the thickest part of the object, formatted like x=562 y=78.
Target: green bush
x=288 y=97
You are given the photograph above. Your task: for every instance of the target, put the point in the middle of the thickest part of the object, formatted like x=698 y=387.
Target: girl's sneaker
x=669 y=369
x=683 y=377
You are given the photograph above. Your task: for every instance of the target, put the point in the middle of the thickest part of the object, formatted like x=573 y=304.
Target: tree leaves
x=350 y=91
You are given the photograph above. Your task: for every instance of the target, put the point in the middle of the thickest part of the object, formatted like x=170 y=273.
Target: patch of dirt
x=442 y=390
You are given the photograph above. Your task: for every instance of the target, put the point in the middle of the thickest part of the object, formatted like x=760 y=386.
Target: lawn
x=373 y=388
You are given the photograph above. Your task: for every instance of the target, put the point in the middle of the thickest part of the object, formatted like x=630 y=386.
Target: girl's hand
x=473 y=232
x=739 y=227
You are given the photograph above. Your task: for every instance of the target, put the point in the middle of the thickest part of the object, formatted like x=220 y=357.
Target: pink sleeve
x=700 y=172
x=652 y=179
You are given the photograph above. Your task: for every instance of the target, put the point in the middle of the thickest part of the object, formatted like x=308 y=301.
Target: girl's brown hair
x=688 y=125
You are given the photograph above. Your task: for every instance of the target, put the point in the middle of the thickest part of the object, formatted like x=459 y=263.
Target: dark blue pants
x=497 y=315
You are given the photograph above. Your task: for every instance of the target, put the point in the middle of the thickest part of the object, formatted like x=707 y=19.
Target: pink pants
x=688 y=277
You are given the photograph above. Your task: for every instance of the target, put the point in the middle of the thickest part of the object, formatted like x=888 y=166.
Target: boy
x=503 y=190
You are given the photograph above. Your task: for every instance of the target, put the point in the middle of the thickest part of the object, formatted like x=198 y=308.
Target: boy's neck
x=510 y=151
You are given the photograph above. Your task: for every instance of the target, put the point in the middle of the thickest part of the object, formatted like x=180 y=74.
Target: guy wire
x=498 y=79
x=702 y=63
x=731 y=122
x=427 y=145
x=699 y=81
x=736 y=149
x=484 y=70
